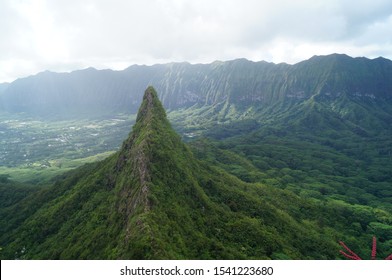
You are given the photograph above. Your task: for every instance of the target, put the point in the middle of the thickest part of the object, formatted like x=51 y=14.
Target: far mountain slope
x=233 y=89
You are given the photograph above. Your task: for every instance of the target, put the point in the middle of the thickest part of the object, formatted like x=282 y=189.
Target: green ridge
x=154 y=200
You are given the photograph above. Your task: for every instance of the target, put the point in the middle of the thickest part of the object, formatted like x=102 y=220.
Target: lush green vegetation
x=12 y=192
x=321 y=154
x=288 y=188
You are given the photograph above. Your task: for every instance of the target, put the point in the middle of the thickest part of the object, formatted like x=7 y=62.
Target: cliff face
x=181 y=85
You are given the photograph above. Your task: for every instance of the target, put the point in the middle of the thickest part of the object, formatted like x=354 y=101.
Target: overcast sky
x=65 y=35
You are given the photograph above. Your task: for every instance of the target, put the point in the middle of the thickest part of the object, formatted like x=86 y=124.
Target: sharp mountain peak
x=154 y=200
x=150 y=146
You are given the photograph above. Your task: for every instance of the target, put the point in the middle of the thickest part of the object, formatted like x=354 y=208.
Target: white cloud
x=61 y=34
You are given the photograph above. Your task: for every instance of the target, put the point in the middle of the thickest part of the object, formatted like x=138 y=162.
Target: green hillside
x=52 y=122
x=239 y=198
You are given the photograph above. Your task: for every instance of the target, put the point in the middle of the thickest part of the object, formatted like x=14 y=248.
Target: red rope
x=349 y=256
x=374 y=248
x=352 y=255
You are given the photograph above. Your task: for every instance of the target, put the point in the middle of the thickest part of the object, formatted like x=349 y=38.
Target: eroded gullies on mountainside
x=154 y=199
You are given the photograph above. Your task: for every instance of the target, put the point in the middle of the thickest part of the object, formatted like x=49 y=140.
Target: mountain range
x=281 y=162
x=236 y=85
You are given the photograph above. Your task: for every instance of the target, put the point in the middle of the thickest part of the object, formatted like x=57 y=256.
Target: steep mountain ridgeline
x=227 y=87
x=154 y=199
x=110 y=209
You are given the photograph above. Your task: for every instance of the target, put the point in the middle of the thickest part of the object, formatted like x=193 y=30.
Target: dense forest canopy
x=265 y=161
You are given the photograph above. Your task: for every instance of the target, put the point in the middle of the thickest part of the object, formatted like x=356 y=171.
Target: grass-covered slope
x=335 y=152
x=154 y=200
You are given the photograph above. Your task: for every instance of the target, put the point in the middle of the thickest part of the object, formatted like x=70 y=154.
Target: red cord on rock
x=351 y=255
x=374 y=248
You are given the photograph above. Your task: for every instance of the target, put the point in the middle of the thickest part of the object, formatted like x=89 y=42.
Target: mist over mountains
x=240 y=82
